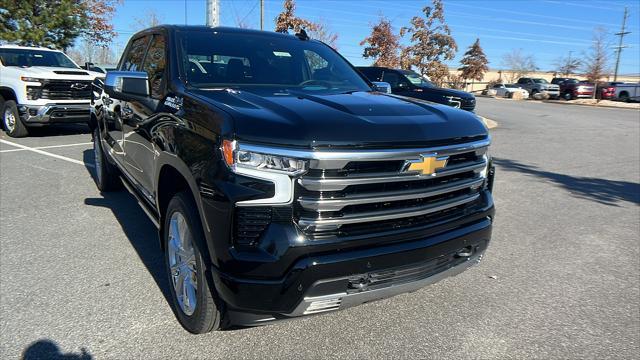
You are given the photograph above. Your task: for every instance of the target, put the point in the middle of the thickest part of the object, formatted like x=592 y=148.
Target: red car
x=606 y=91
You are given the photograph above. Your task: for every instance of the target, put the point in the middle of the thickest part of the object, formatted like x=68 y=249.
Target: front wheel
x=106 y=173
x=11 y=120
x=193 y=300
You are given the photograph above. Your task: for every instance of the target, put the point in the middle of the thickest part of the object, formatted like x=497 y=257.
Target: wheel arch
x=7 y=93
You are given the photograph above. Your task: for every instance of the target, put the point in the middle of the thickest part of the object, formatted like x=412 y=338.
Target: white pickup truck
x=40 y=86
x=628 y=91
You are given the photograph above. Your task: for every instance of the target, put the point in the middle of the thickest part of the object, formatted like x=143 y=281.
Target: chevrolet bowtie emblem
x=428 y=165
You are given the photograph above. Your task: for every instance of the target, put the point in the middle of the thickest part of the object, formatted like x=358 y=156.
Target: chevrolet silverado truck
x=411 y=84
x=41 y=86
x=281 y=183
x=539 y=86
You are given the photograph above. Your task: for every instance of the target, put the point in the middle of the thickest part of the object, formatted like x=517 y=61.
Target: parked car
x=606 y=91
x=537 y=85
x=408 y=83
x=40 y=86
x=507 y=90
x=281 y=183
x=571 y=88
x=628 y=92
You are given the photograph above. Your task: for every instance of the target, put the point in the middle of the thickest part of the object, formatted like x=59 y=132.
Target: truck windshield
x=28 y=57
x=416 y=79
x=540 y=81
x=222 y=59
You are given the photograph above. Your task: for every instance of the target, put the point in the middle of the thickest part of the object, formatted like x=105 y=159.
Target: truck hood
x=47 y=72
x=359 y=119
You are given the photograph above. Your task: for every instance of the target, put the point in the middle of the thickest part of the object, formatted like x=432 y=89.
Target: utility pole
x=213 y=12
x=619 y=48
x=261 y=14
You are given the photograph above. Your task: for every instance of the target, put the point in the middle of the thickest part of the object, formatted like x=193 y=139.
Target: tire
x=624 y=96
x=533 y=93
x=11 y=122
x=568 y=96
x=106 y=178
x=181 y=237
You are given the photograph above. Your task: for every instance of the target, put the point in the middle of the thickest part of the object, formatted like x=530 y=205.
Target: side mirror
x=383 y=87
x=88 y=65
x=127 y=85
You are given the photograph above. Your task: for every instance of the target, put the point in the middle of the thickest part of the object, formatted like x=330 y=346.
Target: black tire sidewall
x=109 y=180
x=206 y=315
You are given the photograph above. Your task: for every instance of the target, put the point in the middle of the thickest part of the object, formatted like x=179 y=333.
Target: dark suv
x=411 y=84
x=281 y=183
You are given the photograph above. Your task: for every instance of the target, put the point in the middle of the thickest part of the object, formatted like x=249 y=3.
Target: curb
x=592 y=105
x=490 y=124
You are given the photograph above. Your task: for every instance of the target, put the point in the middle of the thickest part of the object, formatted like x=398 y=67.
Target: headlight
x=30 y=79
x=267 y=162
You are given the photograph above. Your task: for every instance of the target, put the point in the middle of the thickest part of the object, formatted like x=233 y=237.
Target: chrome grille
x=337 y=197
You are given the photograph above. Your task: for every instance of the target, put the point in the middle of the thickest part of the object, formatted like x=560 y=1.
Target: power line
x=619 y=48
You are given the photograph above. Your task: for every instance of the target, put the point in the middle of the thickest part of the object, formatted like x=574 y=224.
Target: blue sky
x=547 y=29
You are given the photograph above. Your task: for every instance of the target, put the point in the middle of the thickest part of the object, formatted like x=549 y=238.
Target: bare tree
x=382 y=45
x=566 y=65
x=320 y=30
x=596 y=61
x=518 y=64
x=431 y=42
x=149 y=19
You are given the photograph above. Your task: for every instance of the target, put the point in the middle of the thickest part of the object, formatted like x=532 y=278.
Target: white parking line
x=36 y=150
x=46 y=147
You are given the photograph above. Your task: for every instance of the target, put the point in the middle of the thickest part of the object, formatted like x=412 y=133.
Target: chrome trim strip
x=324 y=159
x=348 y=300
x=283 y=193
x=337 y=184
x=367 y=198
x=371 y=216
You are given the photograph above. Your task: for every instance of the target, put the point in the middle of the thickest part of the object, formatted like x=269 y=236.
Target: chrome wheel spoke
x=182 y=263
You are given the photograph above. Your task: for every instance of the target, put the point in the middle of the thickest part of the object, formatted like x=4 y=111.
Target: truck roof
x=224 y=29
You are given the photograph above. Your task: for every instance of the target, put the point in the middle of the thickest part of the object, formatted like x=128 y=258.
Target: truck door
x=131 y=61
x=141 y=117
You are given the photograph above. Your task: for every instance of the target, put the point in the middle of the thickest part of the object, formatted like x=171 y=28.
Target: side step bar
x=147 y=210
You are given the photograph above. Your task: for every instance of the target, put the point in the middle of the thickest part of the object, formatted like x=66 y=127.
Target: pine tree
x=431 y=43
x=383 y=45
x=474 y=63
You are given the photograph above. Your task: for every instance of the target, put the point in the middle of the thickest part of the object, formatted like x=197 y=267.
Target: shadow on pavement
x=59 y=130
x=47 y=349
x=140 y=231
x=608 y=192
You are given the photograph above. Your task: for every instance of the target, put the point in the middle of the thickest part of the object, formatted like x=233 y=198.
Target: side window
x=133 y=59
x=155 y=64
x=395 y=80
x=372 y=74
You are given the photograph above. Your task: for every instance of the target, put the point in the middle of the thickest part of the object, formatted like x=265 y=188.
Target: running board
x=141 y=202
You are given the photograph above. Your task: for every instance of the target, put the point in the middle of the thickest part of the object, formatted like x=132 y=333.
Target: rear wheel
x=624 y=96
x=106 y=173
x=193 y=300
x=11 y=120
x=568 y=95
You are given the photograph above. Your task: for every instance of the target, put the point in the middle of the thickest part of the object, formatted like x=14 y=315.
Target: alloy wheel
x=9 y=120
x=182 y=263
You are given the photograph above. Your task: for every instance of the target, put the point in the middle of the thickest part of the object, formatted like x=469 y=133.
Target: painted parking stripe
x=45 y=147
x=42 y=152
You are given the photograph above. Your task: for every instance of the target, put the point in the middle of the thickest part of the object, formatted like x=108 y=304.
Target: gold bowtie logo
x=428 y=165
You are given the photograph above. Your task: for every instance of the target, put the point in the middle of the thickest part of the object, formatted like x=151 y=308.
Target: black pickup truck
x=411 y=84
x=281 y=182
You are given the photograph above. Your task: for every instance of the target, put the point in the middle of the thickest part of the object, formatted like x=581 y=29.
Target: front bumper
x=38 y=115
x=326 y=282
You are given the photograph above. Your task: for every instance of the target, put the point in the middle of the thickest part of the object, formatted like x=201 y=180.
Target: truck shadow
x=608 y=192
x=137 y=227
x=48 y=349
x=59 y=130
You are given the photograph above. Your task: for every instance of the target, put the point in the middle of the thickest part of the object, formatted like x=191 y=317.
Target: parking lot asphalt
x=81 y=274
